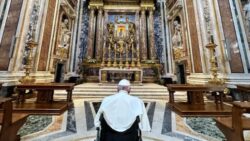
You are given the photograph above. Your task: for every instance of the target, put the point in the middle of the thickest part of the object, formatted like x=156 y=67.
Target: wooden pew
x=45 y=102
x=233 y=127
x=10 y=122
x=244 y=92
x=195 y=105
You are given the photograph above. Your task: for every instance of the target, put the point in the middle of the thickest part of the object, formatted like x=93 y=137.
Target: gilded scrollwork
x=178 y=53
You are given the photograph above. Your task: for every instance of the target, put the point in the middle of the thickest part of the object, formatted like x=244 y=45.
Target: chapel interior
x=188 y=60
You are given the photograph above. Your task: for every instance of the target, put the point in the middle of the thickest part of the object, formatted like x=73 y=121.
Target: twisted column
x=99 y=34
x=91 y=33
x=151 y=35
x=143 y=35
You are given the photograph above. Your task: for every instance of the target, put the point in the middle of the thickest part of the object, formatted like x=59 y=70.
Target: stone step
x=111 y=92
x=111 y=86
x=106 y=94
x=114 y=90
x=96 y=90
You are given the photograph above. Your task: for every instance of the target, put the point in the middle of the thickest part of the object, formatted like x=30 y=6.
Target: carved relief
x=207 y=18
x=33 y=19
x=31 y=29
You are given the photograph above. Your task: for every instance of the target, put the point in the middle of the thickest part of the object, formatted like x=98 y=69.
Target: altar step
x=96 y=90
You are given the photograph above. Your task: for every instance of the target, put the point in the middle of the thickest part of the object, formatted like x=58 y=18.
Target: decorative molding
x=175 y=9
x=69 y=10
x=207 y=18
x=147 y=4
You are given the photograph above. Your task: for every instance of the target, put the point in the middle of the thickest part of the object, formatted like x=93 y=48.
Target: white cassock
x=120 y=112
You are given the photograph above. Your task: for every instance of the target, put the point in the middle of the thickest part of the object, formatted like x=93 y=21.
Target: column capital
x=143 y=8
x=151 y=9
x=100 y=10
x=92 y=8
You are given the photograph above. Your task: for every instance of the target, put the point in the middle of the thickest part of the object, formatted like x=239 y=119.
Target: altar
x=121 y=45
x=116 y=74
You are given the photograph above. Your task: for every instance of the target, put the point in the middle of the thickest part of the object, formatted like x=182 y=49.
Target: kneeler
x=106 y=133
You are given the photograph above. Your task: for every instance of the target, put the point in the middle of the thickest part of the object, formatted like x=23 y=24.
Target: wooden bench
x=244 y=92
x=10 y=122
x=195 y=105
x=45 y=102
x=233 y=127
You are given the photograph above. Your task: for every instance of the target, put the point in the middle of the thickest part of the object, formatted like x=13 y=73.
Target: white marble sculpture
x=177 y=37
x=65 y=33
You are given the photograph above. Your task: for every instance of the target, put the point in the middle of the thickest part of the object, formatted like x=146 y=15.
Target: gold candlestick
x=28 y=67
x=120 y=42
x=115 y=64
x=127 y=50
x=138 y=58
x=132 y=55
x=214 y=70
x=109 y=59
x=103 y=54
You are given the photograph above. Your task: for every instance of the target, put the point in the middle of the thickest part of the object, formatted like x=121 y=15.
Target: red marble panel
x=9 y=32
x=47 y=36
x=230 y=34
x=194 y=37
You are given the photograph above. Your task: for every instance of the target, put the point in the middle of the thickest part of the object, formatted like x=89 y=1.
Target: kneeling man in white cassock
x=121 y=117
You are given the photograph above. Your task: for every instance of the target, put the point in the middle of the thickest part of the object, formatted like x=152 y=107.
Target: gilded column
x=91 y=33
x=151 y=34
x=99 y=34
x=143 y=35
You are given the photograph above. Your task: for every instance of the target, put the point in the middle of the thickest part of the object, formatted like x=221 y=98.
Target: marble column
x=143 y=35
x=151 y=34
x=99 y=34
x=91 y=33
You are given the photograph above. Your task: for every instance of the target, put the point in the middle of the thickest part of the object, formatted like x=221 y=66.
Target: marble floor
x=77 y=125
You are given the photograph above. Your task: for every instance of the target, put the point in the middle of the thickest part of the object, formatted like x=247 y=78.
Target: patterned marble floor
x=77 y=124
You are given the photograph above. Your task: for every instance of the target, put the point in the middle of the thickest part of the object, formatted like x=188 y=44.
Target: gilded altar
x=121 y=36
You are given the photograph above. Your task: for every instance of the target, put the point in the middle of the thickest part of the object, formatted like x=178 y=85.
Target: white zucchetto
x=124 y=82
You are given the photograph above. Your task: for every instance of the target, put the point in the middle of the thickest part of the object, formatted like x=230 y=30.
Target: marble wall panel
x=84 y=31
x=47 y=36
x=158 y=32
x=9 y=33
x=230 y=35
x=194 y=37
